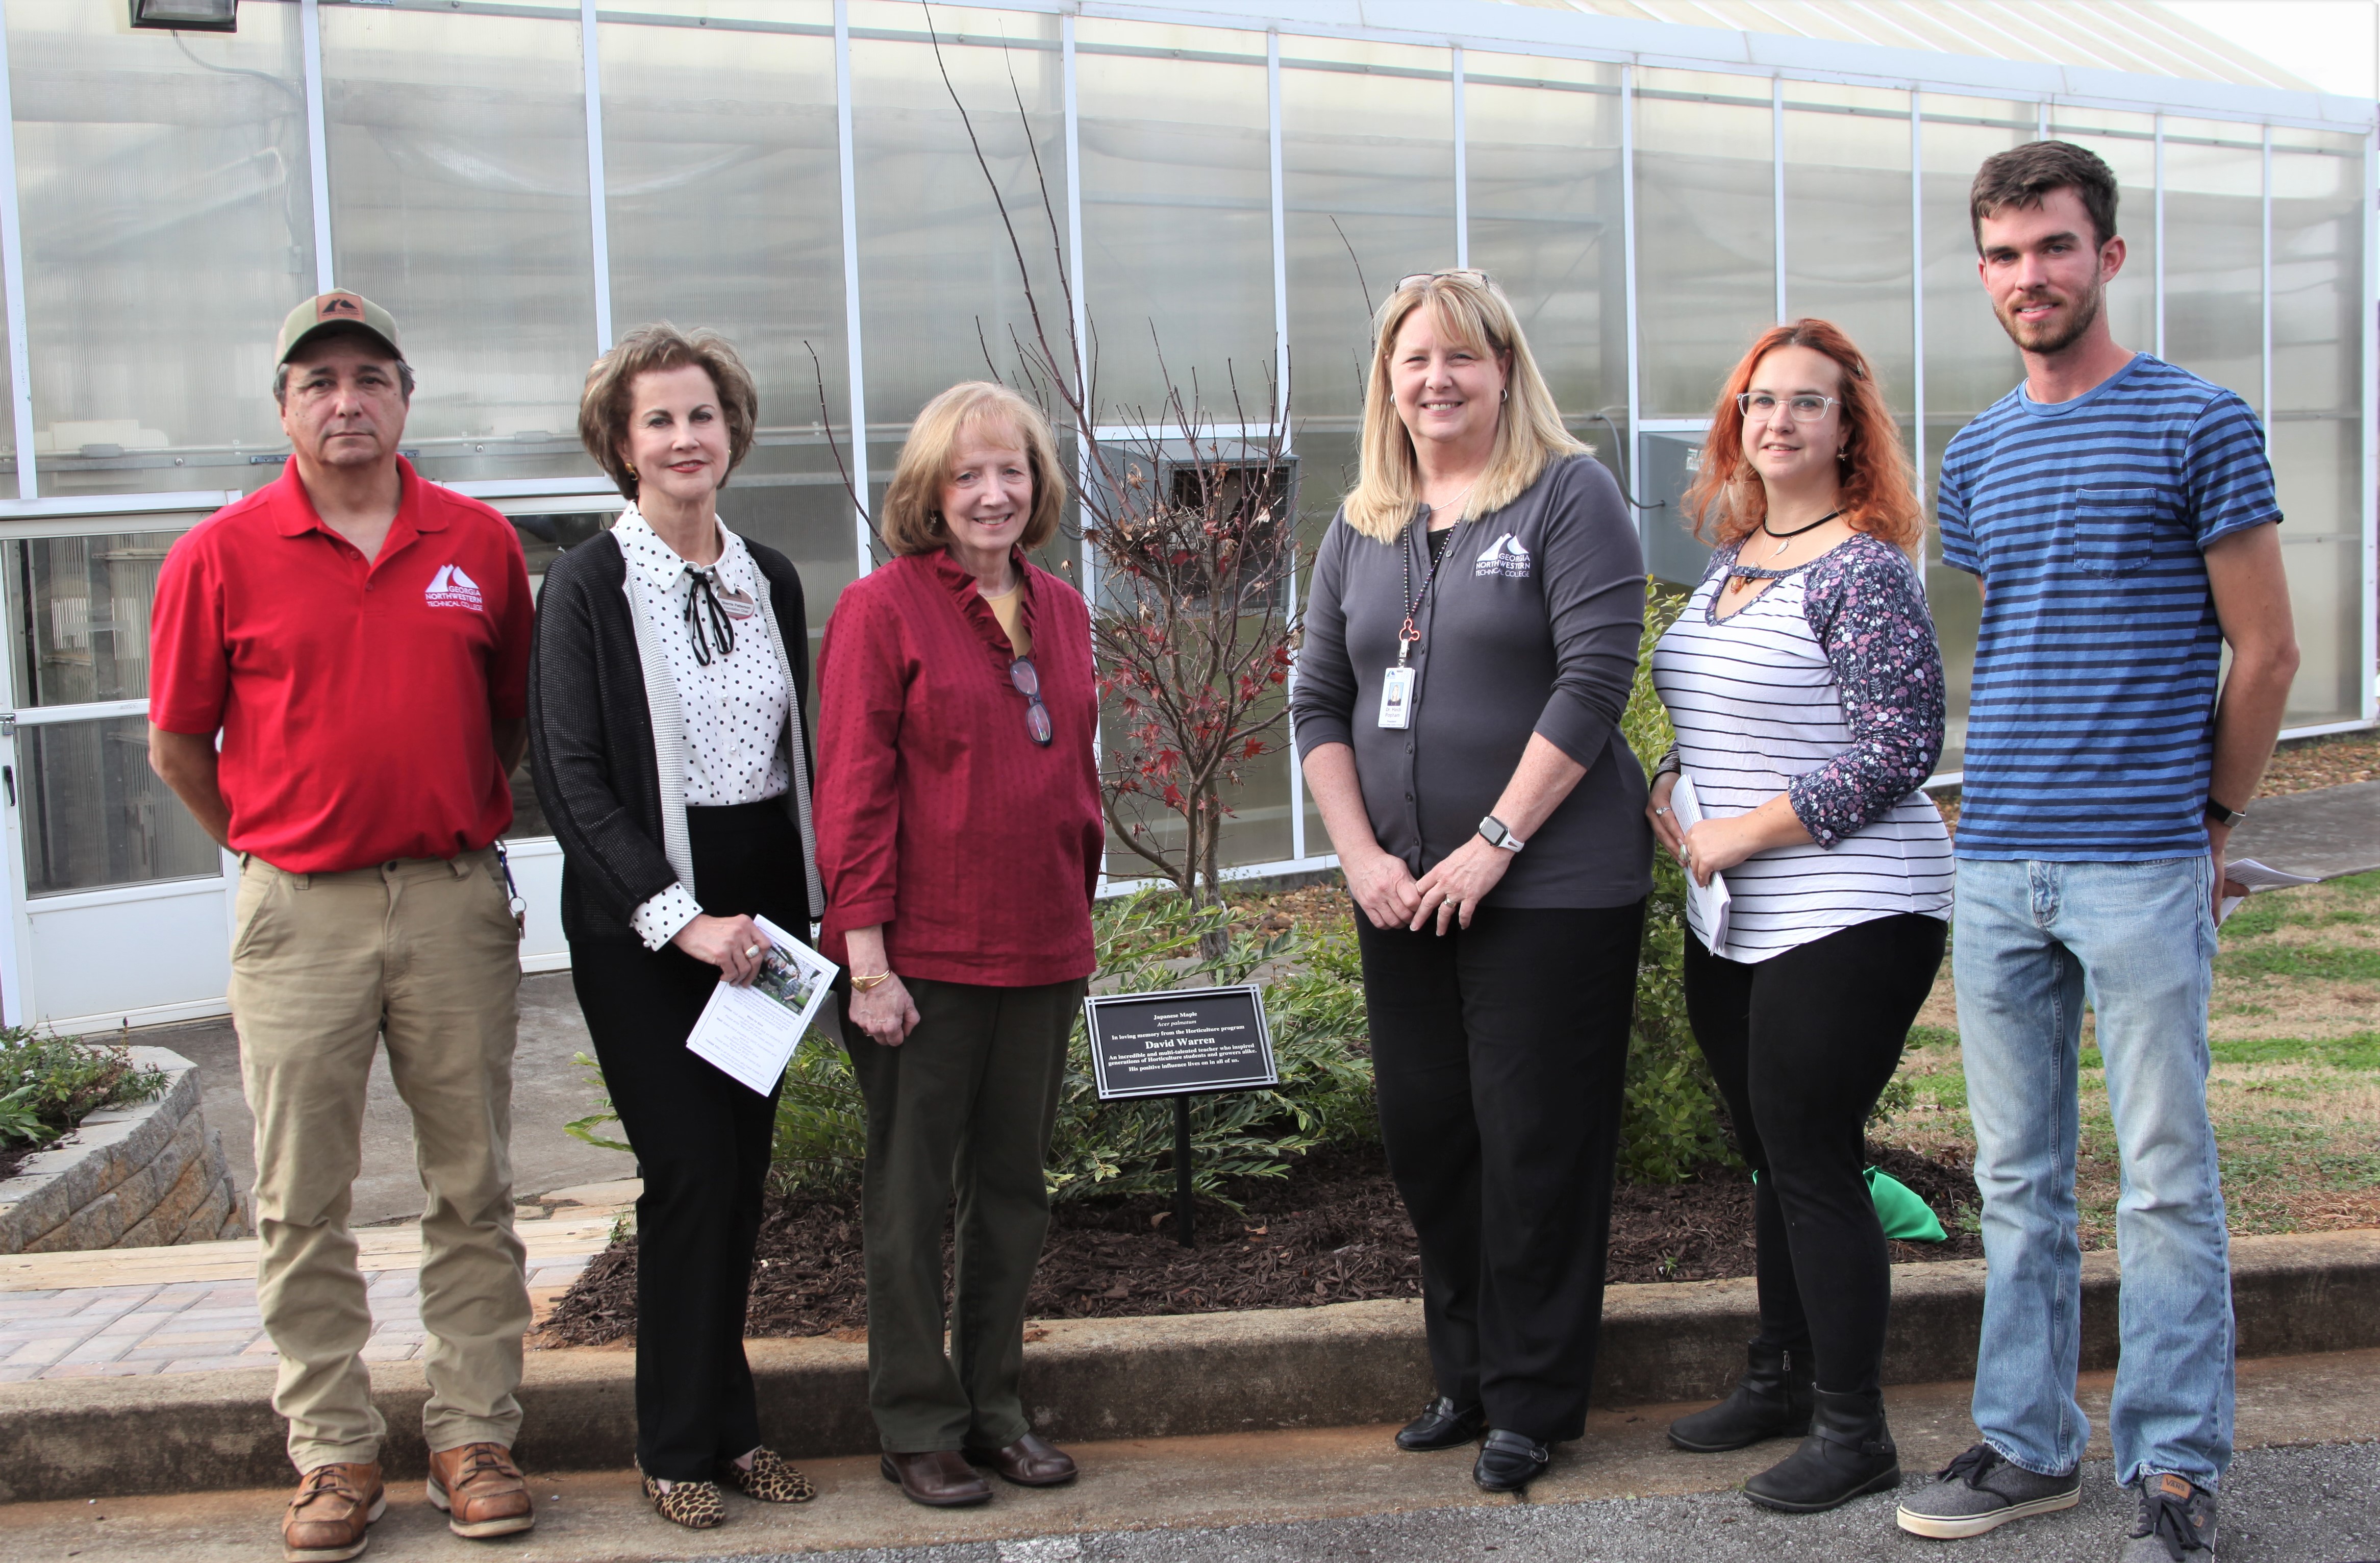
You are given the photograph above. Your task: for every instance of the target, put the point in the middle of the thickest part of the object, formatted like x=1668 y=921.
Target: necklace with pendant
x=1741 y=578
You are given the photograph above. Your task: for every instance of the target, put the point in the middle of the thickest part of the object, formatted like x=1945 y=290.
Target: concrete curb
x=1347 y=1364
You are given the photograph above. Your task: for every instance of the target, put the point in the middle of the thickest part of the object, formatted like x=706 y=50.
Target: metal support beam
x=1917 y=291
x=2264 y=402
x=1628 y=465
x=862 y=537
x=591 y=57
x=12 y=279
x=1280 y=382
x=1777 y=165
x=2159 y=270
x=317 y=141
x=1461 y=171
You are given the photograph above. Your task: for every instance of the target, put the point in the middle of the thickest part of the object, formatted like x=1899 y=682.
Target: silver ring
x=1660 y=810
x=751 y=951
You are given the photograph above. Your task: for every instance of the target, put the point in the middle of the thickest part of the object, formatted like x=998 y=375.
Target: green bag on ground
x=1904 y=1216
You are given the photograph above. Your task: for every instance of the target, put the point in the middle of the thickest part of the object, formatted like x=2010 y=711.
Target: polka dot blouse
x=736 y=707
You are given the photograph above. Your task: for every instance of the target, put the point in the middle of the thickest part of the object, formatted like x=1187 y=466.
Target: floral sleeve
x=1865 y=609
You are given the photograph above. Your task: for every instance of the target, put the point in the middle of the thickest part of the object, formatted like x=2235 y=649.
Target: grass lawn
x=2296 y=1087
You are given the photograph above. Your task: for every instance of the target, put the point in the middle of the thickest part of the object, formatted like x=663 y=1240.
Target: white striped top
x=1827 y=686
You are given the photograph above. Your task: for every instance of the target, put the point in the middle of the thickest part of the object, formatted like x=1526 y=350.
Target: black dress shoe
x=1442 y=1425
x=1509 y=1461
x=1031 y=1462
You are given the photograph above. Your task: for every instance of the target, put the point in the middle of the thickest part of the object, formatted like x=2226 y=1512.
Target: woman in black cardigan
x=672 y=757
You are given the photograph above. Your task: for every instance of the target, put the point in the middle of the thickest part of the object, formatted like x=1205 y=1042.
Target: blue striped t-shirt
x=2091 y=727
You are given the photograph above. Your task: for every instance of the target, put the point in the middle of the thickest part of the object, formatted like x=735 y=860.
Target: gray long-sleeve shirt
x=1532 y=626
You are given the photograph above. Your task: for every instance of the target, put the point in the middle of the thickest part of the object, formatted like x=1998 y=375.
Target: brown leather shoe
x=938 y=1478
x=482 y=1490
x=1031 y=1462
x=327 y=1519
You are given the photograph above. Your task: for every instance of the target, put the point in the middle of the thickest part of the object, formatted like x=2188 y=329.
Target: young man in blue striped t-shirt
x=2120 y=514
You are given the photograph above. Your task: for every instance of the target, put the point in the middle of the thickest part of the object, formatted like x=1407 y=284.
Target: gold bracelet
x=869 y=985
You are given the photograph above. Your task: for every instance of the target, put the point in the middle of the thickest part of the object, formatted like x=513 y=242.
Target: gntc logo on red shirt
x=449 y=588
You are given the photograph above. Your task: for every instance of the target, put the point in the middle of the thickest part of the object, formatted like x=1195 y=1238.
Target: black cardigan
x=590 y=732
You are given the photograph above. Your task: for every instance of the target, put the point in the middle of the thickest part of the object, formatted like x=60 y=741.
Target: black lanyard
x=1407 y=636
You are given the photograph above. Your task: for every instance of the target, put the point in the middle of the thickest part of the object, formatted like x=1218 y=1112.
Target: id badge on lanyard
x=1396 y=697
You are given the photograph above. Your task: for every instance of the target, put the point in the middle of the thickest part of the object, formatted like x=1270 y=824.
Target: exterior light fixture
x=195 y=16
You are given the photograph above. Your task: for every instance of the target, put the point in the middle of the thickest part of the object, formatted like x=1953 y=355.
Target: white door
x=119 y=903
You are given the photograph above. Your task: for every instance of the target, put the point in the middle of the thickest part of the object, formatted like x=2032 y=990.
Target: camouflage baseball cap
x=329 y=311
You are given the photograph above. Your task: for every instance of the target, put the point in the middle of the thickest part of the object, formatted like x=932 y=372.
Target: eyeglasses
x=1028 y=684
x=1761 y=405
x=1461 y=273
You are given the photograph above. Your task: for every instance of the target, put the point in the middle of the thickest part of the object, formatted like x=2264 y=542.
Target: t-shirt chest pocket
x=2115 y=529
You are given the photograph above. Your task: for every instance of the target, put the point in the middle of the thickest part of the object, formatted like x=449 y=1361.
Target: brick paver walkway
x=193 y=1309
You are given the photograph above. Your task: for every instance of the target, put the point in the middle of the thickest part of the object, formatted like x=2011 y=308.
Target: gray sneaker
x=2176 y=1521
x=1982 y=1491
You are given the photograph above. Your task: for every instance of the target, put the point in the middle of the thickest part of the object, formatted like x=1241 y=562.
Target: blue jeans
x=2031 y=941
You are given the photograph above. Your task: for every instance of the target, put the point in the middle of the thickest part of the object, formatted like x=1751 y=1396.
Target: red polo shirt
x=354 y=696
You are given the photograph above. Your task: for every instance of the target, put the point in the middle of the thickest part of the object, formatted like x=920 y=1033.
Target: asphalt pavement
x=2317 y=1504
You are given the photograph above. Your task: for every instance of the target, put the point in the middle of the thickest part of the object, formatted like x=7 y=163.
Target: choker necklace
x=1785 y=537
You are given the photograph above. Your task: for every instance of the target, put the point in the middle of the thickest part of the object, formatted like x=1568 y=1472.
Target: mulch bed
x=1333 y=1231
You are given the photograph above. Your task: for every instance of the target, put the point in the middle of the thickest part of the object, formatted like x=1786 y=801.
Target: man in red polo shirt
x=359 y=641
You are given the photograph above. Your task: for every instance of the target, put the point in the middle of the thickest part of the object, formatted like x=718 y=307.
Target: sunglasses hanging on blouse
x=1028 y=684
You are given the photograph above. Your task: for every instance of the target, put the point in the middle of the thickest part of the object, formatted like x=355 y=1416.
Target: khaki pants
x=323 y=965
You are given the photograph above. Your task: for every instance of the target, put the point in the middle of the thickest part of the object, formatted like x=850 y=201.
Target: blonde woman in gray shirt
x=1470 y=639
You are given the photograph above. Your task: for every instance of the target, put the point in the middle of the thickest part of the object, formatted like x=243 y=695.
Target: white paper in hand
x=1706 y=904
x=751 y=1032
x=2256 y=876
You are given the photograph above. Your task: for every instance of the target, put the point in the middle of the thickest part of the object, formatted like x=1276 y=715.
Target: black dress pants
x=701 y=1140
x=1801 y=1044
x=1499 y=1053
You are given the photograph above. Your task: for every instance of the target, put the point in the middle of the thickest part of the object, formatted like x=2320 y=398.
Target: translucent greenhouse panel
x=458 y=200
x=1970 y=362
x=2214 y=252
x=1177 y=216
x=157 y=173
x=1367 y=158
x=940 y=292
x=2321 y=206
x=724 y=201
x=1541 y=149
x=2128 y=143
x=1846 y=224
x=1705 y=233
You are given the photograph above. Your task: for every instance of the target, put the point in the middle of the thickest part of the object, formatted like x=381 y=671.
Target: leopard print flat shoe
x=695 y=1505
x=772 y=1479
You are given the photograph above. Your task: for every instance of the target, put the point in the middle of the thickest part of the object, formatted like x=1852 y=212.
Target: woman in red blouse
x=959 y=840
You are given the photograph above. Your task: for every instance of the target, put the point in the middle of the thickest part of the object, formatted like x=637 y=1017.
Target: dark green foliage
x=48 y=1084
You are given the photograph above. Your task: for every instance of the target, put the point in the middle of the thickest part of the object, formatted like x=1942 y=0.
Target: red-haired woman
x=1805 y=686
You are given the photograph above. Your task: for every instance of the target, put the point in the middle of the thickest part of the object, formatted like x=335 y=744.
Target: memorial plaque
x=1167 y=1044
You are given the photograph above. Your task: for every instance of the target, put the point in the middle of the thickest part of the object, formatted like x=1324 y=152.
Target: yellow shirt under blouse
x=1008 y=608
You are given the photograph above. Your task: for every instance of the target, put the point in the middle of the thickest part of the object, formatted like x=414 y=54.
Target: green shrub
x=1673 y=1121
x=1314 y=1005
x=48 y=1084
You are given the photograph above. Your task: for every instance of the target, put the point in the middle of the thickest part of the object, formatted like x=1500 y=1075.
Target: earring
x=632 y=469
x=1504 y=395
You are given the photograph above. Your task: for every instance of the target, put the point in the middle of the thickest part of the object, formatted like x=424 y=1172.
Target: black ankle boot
x=1849 y=1452
x=1772 y=1400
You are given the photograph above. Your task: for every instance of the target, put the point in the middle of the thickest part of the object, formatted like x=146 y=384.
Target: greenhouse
x=1215 y=192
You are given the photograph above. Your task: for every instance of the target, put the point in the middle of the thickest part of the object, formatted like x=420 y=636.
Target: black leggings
x=1801 y=1044
x=1500 y=1057
x=701 y=1140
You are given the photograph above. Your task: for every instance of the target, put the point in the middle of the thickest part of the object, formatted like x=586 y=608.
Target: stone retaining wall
x=138 y=1176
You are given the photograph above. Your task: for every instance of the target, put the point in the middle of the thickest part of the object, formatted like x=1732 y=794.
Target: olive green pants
x=965 y=1106
x=322 y=966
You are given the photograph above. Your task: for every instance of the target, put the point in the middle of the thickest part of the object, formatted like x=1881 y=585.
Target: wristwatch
x=2222 y=815
x=1493 y=829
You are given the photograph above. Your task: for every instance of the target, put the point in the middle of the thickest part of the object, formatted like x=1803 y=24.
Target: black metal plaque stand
x=1182 y=1205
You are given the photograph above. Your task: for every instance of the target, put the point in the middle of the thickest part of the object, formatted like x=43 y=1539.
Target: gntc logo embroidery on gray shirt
x=1505 y=557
